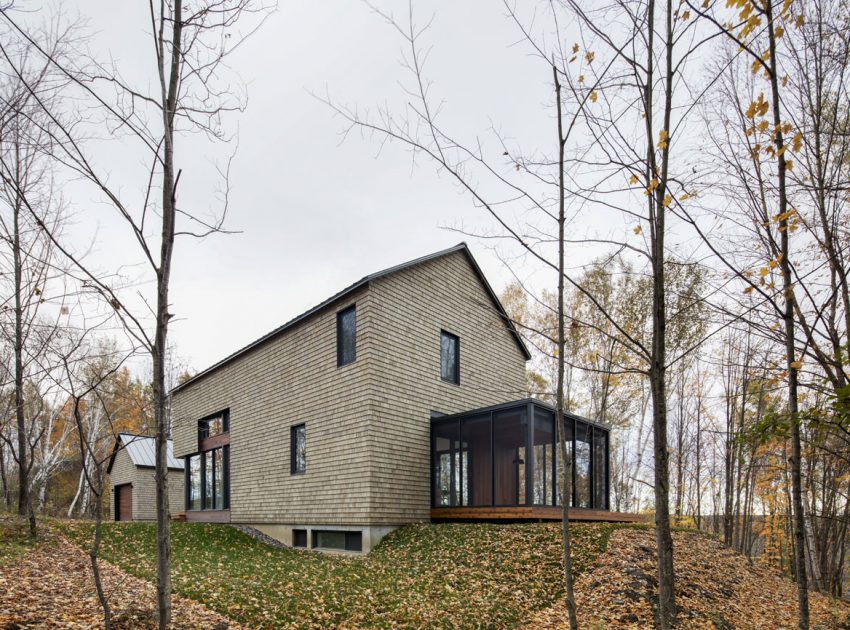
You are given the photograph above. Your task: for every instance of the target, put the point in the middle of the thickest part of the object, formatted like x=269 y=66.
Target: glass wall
x=498 y=458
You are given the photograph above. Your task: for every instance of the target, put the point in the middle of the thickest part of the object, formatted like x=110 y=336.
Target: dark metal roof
x=142 y=451
x=515 y=404
x=341 y=295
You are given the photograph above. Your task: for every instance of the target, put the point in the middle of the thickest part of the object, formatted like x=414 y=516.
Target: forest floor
x=434 y=576
x=715 y=588
x=48 y=583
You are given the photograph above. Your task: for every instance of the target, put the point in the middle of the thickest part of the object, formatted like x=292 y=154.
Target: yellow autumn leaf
x=593 y=96
x=789 y=164
x=581 y=78
x=637 y=229
x=667 y=200
x=662 y=139
x=764 y=271
x=799 y=21
x=797 y=142
x=575 y=48
x=748 y=290
x=686 y=15
x=589 y=56
x=684 y=197
x=796 y=365
x=633 y=180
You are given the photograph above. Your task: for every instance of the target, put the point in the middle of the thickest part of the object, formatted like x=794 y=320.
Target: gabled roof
x=142 y=451
x=460 y=247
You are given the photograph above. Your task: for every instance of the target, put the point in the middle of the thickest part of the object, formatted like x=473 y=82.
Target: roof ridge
x=365 y=280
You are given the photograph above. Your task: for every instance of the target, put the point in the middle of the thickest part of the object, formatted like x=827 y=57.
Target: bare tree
x=191 y=93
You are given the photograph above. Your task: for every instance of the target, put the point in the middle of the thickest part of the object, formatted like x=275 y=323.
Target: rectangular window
x=449 y=357
x=193 y=487
x=346 y=336
x=298 y=449
x=299 y=537
x=347 y=541
x=216 y=425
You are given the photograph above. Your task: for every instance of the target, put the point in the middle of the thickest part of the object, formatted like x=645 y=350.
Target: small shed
x=132 y=482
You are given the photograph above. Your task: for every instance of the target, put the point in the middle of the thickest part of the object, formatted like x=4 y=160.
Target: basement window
x=343 y=541
x=299 y=538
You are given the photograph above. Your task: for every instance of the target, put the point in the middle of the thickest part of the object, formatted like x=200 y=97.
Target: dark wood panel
x=208 y=516
x=514 y=513
x=222 y=439
x=124 y=502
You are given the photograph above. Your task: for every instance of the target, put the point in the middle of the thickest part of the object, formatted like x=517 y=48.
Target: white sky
x=316 y=214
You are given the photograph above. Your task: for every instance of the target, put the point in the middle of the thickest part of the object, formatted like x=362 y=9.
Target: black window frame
x=353 y=539
x=340 y=345
x=300 y=538
x=293 y=449
x=456 y=339
x=204 y=424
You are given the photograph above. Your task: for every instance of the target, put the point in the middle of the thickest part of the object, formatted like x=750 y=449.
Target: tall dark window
x=346 y=335
x=208 y=472
x=449 y=357
x=193 y=487
x=298 y=449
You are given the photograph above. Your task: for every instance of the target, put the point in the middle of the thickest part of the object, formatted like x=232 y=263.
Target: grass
x=442 y=576
x=14 y=538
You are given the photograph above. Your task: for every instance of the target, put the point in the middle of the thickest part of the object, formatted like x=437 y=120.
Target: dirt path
x=715 y=588
x=51 y=586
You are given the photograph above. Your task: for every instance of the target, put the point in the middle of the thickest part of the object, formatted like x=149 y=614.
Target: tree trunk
x=169 y=185
x=23 y=469
x=790 y=350
x=559 y=395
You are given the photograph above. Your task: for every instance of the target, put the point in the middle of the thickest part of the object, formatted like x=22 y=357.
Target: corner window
x=449 y=357
x=208 y=480
x=299 y=537
x=346 y=329
x=193 y=487
x=298 y=449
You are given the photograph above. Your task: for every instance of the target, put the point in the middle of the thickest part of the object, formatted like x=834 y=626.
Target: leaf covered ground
x=435 y=576
x=715 y=588
x=47 y=583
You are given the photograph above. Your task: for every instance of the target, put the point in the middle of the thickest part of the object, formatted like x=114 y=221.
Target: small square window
x=346 y=336
x=449 y=357
x=299 y=537
x=298 y=449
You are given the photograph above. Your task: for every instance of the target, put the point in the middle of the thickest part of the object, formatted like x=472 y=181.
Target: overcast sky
x=315 y=213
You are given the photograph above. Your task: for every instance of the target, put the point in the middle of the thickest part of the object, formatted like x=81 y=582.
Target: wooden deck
x=529 y=514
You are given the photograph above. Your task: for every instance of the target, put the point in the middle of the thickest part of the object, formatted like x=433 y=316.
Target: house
x=399 y=399
x=131 y=479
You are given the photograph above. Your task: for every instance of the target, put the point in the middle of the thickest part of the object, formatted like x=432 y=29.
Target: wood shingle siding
x=368 y=422
x=143 y=482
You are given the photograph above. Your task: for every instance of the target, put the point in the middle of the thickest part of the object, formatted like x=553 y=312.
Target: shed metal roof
x=142 y=451
x=460 y=247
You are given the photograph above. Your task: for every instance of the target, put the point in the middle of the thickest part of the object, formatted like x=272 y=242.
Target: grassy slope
x=454 y=575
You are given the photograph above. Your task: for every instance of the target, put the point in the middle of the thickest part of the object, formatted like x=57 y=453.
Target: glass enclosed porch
x=507 y=456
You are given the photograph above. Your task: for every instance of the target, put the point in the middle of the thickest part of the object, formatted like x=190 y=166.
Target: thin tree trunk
x=788 y=320
x=559 y=395
x=169 y=93
x=23 y=470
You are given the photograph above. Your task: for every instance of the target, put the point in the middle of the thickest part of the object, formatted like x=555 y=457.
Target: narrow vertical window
x=298 y=449
x=449 y=357
x=346 y=329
